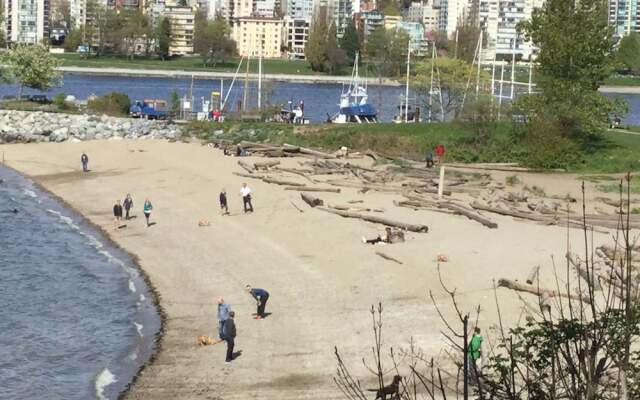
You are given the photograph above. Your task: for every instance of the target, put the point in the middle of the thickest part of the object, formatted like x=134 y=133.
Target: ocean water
x=76 y=318
x=320 y=98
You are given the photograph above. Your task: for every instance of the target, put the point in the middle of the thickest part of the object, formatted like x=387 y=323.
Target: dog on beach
x=392 y=390
x=203 y=340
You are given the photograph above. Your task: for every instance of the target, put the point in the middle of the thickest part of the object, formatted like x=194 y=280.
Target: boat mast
x=493 y=79
x=406 y=92
x=530 y=76
x=260 y=81
x=501 y=85
x=231 y=86
x=513 y=70
x=246 y=86
x=433 y=63
x=479 y=65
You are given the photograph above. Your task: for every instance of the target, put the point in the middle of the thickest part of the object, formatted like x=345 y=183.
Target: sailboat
x=354 y=102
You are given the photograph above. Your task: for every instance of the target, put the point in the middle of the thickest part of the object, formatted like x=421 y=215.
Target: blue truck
x=149 y=109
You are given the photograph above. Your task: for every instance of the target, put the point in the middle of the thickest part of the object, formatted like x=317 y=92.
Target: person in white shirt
x=245 y=192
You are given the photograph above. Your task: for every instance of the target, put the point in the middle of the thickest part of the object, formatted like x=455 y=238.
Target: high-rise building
x=624 y=16
x=78 y=12
x=452 y=13
x=499 y=20
x=26 y=21
x=256 y=37
x=296 y=36
x=368 y=21
x=182 y=20
x=299 y=9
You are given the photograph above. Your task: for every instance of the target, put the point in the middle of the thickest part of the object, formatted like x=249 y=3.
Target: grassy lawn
x=291 y=67
x=622 y=80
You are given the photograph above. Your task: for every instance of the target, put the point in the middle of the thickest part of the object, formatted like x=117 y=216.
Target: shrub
x=112 y=103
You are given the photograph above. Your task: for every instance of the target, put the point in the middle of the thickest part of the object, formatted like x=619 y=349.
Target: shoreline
x=181 y=74
x=150 y=288
x=321 y=277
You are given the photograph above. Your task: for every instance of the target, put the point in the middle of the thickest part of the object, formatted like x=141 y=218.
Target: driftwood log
x=519 y=287
x=265 y=164
x=282 y=182
x=305 y=150
x=469 y=214
x=510 y=213
x=377 y=220
x=355 y=209
x=582 y=270
x=245 y=166
x=303 y=188
x=311 y=200
x=386 y=257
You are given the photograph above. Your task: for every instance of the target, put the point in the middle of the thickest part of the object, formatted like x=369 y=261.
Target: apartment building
x=296 y=36
x=26 y=21
x=181 y=19
x=499 y=20
x=416 y=31
x=391 y=21
x=624 y=16
x=368 y=21
x=451 y=13
x=256 y=36
x=299 y=9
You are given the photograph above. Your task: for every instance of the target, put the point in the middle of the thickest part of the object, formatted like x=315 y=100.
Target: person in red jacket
x=440 y=153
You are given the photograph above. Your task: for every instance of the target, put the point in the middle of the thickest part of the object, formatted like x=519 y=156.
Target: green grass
x=187 y=63
x=623 y=80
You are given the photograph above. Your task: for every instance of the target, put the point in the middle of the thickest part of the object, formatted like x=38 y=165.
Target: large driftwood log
x=510 y=213
x=311 y=152
x=301 y=172
x=311 y=200
x=253 y=176
x=469 y=214
x=245 y=166
x=377 y=220
x=386 y=257
x=354 y=209
x=282 y=182
x=519 y=287
x=265 y=164
x=312 y=189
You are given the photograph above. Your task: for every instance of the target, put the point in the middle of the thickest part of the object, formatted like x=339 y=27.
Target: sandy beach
x=322 y=278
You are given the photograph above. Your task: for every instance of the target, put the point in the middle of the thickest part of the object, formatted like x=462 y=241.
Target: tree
x=574 y=59
x=136 y=28
x=73 y=40
x=32 y=66
x=388 y=49
x=212 y=41
x=350 y=41
x=465 y=40
x=452 y=78
x=629 y=52
x=163 y=37
x=335 y=57
x=315 y=48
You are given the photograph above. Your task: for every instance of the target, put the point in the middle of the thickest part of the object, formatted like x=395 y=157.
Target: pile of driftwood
x=286 y=150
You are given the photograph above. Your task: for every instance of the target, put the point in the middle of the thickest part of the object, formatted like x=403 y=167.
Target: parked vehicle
x=149 y=109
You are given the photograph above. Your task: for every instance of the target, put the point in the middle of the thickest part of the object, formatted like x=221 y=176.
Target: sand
x=322 y=279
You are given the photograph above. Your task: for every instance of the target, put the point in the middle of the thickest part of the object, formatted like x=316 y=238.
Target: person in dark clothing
x=261 y=297
x=429 y=158
x=84 y=159
x=128 y=205
x=117 y=214
x=229 y=335
x=224 y=208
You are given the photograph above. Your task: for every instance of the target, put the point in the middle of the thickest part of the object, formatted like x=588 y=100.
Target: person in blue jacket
x=223 y=315
x=261 y=297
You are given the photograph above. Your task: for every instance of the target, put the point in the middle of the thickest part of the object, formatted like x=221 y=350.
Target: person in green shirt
x=475 y=354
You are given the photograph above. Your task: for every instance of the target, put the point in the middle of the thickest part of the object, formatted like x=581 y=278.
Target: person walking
x=245 y=192
x=440 y=153
x=429 y=158
x=224 y=208
x=223 y=315
x=128 y=205
x=84 y=159
x=261 y=297
x=147 y=210
x=229 y=336
x=117 y=214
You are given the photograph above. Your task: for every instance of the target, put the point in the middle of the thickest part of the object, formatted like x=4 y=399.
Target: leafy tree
x=629 y=52
x=73 y=40
x=388 y=49
x=112 y=103
x=574 y=59
x=136 y=28
x=162 y=36
x=103 y=27
x=335 y=57
x=315 y=48
x=452 y=77
x=391 y=9
x=350 y=42
x=465 y=40
x=32 y=66
x=174 y=102
x=212 y=41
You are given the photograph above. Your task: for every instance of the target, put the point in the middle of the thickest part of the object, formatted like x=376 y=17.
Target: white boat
x=354 y=102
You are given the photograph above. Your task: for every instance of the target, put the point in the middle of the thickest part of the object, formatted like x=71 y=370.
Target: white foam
x=29 y=193
x=139 y=328
x=142 y=298
x=103 y=380
x=132 y=286
x=133 y=356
